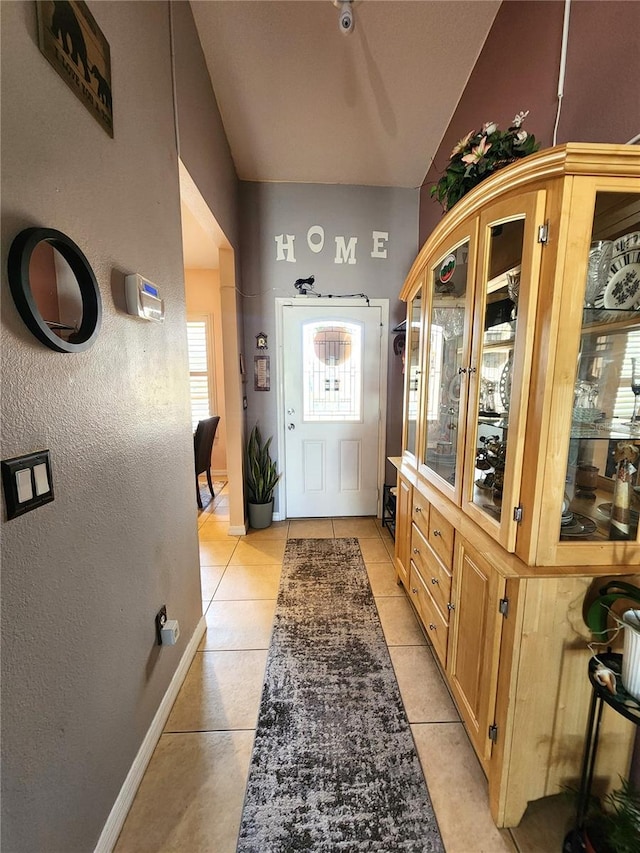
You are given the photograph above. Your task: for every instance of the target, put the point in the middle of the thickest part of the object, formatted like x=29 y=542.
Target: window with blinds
x=625 y=397
x=201 y=377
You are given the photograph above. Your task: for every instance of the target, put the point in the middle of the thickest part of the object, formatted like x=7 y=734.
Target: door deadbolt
x=291 y=426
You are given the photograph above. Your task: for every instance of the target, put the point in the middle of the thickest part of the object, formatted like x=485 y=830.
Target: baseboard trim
x=238 y=530
x=120 y=810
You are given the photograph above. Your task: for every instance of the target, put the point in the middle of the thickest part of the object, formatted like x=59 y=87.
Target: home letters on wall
x=74 y=44
x=345 y=248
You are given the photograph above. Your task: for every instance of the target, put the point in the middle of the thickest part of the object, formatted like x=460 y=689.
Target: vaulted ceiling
x=302 y=102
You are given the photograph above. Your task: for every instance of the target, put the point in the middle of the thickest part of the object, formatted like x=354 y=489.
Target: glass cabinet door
x=495 y=364
x=413 y=349
x=446 y=368
x=602 y=497
x=502 y=345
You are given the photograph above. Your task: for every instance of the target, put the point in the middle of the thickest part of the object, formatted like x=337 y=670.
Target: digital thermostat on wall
x=143 y=298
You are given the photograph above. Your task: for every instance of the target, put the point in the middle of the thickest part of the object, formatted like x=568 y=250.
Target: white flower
x=521 y=135
x=462 y=144
x=520 y=117
x=489 y=127
x=477 y=153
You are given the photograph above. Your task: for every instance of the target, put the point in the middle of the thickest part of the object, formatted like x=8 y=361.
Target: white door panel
x=331 y=359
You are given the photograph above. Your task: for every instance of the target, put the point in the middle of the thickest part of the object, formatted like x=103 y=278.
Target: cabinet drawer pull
x=414 y=590
x=432 y=627
x=437 y=533
x=416 y=550
x=435 y=580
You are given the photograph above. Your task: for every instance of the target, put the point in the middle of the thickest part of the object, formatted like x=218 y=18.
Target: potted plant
x=479 y=154
x=597 y=619
x=612 y=825
x=260 y=478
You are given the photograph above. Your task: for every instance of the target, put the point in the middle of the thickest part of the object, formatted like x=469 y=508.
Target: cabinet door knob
x=416 y=550
x=435 y=580
x=437 y=533
x=461 y=370
x=450 y=606
x=414 y=590
x=432 y=627
x=417 y=509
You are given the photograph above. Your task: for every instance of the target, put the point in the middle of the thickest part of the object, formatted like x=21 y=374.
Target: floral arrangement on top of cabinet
x=523 y=399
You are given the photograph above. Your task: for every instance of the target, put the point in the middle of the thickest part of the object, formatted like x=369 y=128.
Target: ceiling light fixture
x=346 y=23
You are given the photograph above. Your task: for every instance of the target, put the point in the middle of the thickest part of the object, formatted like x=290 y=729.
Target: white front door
x=332 y=419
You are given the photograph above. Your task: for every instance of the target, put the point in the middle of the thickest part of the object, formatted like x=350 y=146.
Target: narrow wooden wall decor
x=261 y=373
x=74 y=44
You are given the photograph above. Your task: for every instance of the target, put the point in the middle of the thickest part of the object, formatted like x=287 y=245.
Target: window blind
x=623 y=407
x=199 y=379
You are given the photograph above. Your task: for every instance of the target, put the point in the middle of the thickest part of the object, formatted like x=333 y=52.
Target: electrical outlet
x=161 y=618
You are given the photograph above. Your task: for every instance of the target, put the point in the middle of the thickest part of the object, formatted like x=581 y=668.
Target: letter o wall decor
x=54 y=289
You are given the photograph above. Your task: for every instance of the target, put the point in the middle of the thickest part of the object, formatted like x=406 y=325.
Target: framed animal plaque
x=74 y=44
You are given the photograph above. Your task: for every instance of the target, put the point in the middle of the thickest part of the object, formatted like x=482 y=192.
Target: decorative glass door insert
x=332 y=371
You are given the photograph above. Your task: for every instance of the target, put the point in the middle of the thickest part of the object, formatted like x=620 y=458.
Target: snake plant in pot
x=261 y=478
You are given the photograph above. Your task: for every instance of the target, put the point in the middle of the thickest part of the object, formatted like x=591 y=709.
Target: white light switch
x=42 y=481
x=23 y=485
x=27 y=481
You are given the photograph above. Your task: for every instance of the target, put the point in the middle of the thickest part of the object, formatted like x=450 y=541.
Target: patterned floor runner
x=334 y=766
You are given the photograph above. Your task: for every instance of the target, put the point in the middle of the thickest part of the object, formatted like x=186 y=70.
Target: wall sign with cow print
x=74 y=44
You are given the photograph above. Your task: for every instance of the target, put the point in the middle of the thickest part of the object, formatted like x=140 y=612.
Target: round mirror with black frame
x=54 y=289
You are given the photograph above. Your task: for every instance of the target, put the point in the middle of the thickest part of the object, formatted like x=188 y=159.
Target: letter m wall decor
x=73 y=43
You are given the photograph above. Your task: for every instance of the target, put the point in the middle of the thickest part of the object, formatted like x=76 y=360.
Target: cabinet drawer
x=440 y=536
x=429 y=612
x=435 y=575
x=420 y=512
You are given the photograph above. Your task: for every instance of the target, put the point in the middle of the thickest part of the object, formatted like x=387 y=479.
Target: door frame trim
x=325 y=302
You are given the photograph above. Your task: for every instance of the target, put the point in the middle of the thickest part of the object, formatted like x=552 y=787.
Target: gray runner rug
x=334 y=766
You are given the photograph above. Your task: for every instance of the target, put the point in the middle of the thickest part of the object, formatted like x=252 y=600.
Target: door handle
x=290 y=411
x=291 y=426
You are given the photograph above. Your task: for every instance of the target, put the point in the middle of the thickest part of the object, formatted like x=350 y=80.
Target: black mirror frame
x=18 y=270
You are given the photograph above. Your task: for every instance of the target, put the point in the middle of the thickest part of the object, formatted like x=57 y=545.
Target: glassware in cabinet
x=602 y=499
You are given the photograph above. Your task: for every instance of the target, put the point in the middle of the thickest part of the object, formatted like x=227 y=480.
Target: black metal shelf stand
x=621 y=702
x=389 y=509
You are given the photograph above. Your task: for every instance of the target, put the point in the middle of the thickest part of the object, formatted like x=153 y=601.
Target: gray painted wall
x=83 y=577
x=268 y=210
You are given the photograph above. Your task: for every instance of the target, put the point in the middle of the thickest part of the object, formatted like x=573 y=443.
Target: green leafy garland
x=479 y=154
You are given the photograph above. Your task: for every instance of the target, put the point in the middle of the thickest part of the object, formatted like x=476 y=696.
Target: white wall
x=83 y=577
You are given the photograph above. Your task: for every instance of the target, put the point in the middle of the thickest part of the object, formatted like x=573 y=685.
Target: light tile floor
x=191 y=797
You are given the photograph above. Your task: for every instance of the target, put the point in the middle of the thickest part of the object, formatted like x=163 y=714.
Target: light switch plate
x=27 y=482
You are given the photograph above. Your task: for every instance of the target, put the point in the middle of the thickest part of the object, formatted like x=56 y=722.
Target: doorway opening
x=213 y=335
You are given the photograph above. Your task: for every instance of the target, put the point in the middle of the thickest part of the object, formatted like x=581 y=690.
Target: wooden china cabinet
x=518 y=488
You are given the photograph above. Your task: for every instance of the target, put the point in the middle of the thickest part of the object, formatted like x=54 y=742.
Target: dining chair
x=202 y=447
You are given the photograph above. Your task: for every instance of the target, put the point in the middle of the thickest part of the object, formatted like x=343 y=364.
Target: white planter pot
x=631 y=653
